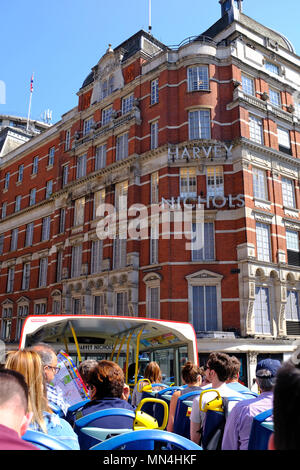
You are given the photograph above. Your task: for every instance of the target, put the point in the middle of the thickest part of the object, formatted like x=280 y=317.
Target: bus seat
x=216 y=411
x=261 y=431
x=147 y=440
x=148 y=392
x=43 y=441
x=159 y=418
x=72 y=410
x=182 y=413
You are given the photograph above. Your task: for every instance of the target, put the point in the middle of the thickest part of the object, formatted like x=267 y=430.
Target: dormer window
x=273 y=68
x=107 y=86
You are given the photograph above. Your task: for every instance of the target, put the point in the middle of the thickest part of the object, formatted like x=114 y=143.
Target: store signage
x=195 y=152
x=210 y=202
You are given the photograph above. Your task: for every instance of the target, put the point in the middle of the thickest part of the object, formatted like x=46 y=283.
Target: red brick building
x=215 y=121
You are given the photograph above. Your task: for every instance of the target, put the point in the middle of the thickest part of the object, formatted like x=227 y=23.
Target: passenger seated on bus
x=106 y=387
x=49 y=360
x=286 y=415
x=233 y=379
x=191 y=376
x=29 y=363
x=14 y=414
x=85 y=367
x=217 y=372
x=205 y=382
x=153 y=374
x=239 y=422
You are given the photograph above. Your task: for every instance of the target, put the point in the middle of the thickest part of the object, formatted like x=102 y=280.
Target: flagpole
x=150 y=27
x=29 y=108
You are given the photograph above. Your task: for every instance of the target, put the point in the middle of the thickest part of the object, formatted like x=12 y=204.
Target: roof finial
x=227 y=5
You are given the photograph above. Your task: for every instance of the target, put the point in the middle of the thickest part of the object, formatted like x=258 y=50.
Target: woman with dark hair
x=191 y=376
x=107 y=389
x=153 y=375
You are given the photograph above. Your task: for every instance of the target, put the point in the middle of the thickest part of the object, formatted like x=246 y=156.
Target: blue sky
x=61 y=40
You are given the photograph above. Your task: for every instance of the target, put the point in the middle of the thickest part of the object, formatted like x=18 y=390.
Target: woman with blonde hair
x=153 y=375
x=29 y=364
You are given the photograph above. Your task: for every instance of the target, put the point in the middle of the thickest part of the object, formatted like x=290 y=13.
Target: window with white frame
x=51 y=156
x=292 y=240
x=292 y=311
x=154 y=237
x=96 y=256
x=67 y=139
x=271 y=67
x=203 y=246
x=76 y=306
x=262 y=322
x=46 y=228
x=284 y=140
x=122 y=147
x=62 y=220
x=121 y=193
x=99 y=199
x=79 y=206
x=10 y=279
x=107 y=86
x=198 y=78
x=14 y=239
x=288 y=192
x=205 y=311
x=199 y=124
x=49 y=188
x=76 y=262
x=32 y=197
x=40 y=307
x=119 y=252
x=259 y=178
x=100 y=158
x=18 y=203
x=152 y=282
x=214 y=181
x=1 y=243
x=154 y=135
x=6 y=181
x=6 y=326
x=59 y=265
x=43 y=272
x=22 y=313
x=256 y=129
x=35 y=165
x=263 y=241
x=87 y=125
x=248 y=85
x=107 y=115
x=26 y=276
x=275 y=98
x=65 y=175
x=81 y=166
x=20 y=173
x=127 y=103
x=56 y=306
x=188 y=182
x=154 y=187
x=121 y=303
x=29 y=234
x=154 y=91
x=4 y=210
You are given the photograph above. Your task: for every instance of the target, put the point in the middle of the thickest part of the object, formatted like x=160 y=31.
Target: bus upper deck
x=122 y=339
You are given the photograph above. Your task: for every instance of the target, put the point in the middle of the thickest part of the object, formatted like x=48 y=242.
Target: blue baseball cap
x=267 y=368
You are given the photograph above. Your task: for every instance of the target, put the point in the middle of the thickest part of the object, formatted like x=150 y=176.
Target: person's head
x=49 y=360
x=85 y=367
x=153 y=372
x=105 y=380
x=14 y=401
x=285 y=408
x=218 y=367
x=29 y=364
x=191 y=374
x=235 y=369
x=266 y=371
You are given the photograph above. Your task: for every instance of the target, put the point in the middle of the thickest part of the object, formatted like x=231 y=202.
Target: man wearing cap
x=239 y=422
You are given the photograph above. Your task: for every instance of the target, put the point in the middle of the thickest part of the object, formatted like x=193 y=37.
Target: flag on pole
x=31 y=84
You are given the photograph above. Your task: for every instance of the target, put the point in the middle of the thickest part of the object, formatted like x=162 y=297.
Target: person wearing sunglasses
x=49 y=360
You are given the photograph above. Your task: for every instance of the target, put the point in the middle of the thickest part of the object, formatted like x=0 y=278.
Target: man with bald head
x=14 y=415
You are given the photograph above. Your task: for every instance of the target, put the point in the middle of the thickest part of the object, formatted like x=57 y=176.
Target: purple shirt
x=239 y=422
x=10 y=440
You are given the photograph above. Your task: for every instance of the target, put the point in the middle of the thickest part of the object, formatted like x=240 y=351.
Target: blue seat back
x=43 y=441
x=111 y=418
x=58 y=411
x=148 y=439
x=260 y=432
x=181 y=417
x=72 y=410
